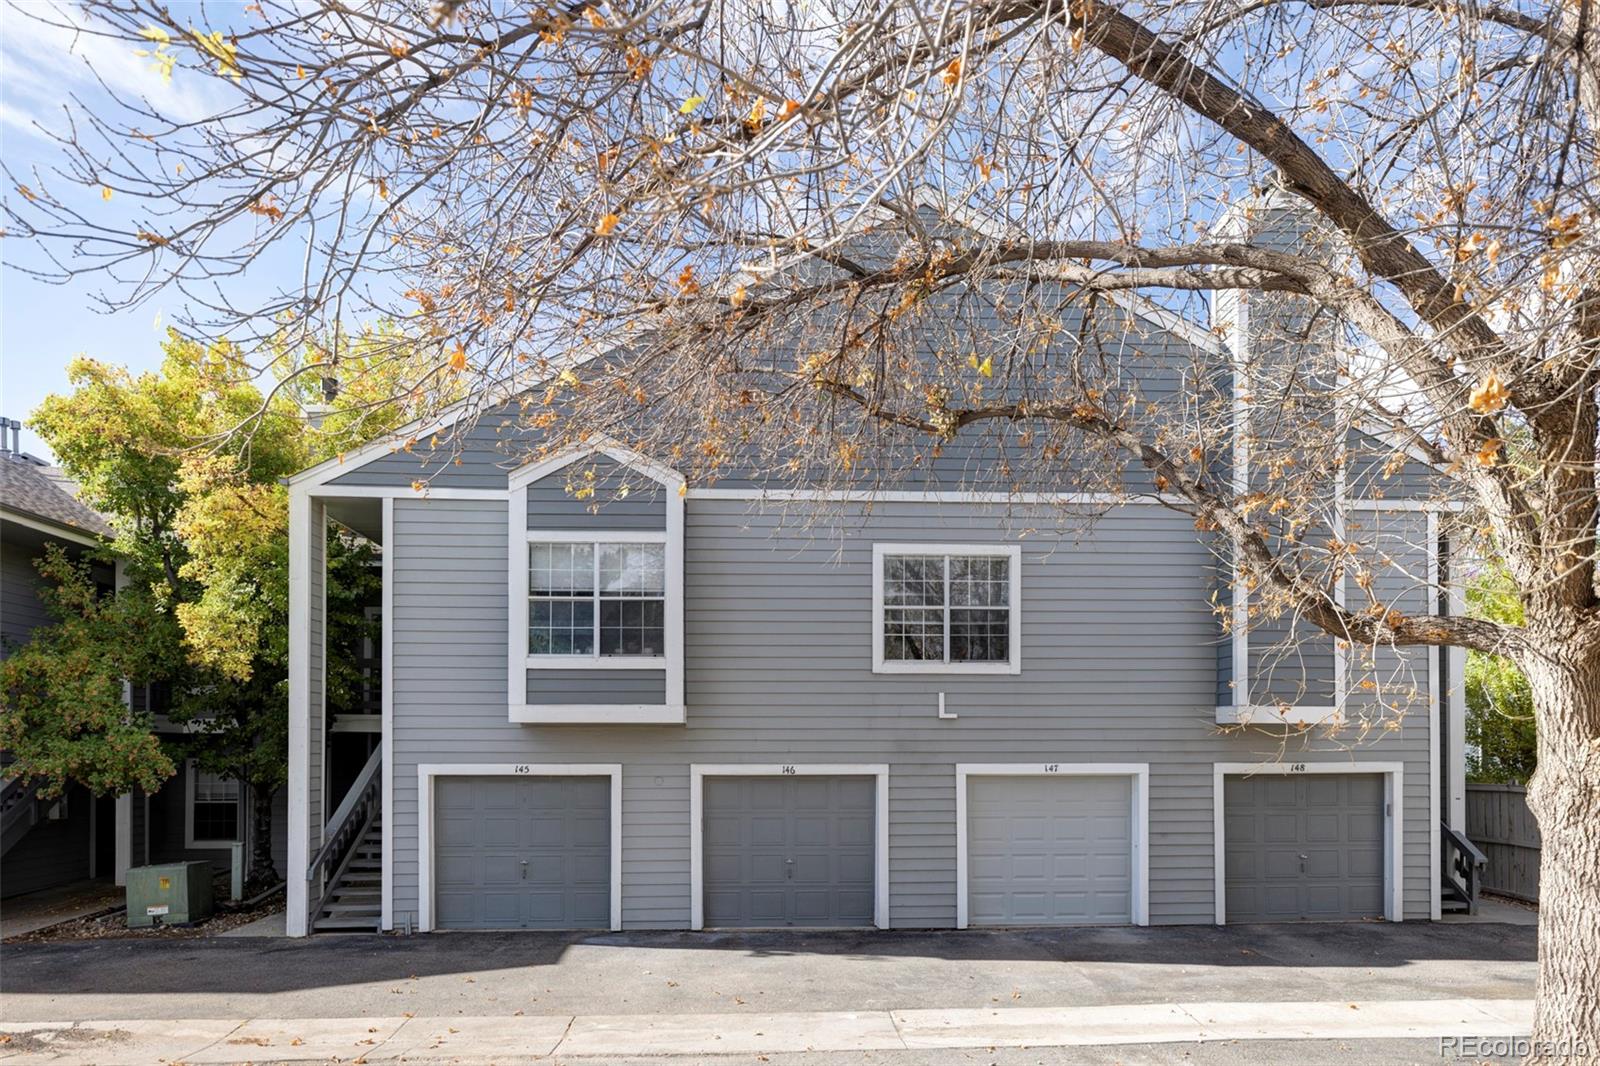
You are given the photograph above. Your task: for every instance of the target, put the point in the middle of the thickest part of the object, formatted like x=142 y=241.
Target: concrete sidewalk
x=691 y=1037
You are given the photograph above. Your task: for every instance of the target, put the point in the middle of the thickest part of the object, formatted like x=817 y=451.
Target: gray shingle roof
x=30 y=489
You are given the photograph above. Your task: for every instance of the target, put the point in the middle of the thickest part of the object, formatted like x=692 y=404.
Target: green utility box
x=174 y=893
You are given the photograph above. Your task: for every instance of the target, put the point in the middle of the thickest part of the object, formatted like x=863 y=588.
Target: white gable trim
x=611 y=449
x=390 y=443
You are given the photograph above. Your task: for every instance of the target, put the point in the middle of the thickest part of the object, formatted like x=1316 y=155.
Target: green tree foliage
x=201 y=522
x=1502 y=742
x=65 y=718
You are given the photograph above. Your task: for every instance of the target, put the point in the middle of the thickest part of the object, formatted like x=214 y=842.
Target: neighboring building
x=44 y=844
x=47 y=844
x=686 y=709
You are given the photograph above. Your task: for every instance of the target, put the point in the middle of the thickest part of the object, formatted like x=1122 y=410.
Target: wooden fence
x=1499 y=823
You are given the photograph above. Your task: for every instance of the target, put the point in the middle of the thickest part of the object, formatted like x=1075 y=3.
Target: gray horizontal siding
x=1119 y=665
x=617 y=498
x=597 y=686
x=21 y=610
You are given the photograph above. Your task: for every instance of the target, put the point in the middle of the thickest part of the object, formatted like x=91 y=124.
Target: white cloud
x=49 y=54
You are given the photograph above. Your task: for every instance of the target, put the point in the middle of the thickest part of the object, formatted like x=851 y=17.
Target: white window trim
x=698 y=772
x=1011 y=552
x=1138 y=772
x=519 y=662
x=1393 y=822
x=189 y=841
x=594 y=661
x=427 y=773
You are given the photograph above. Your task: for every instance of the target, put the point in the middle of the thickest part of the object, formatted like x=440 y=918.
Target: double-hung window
x=597 y=599
x=946 y=608
x=213 y=814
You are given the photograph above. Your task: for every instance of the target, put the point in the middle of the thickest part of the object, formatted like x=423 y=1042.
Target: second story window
x=605 y=599
x=944 y=608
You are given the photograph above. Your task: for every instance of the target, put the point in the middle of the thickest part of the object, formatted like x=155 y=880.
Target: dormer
x=596 y=590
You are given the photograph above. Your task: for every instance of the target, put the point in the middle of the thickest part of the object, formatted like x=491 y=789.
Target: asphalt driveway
x=480 y=974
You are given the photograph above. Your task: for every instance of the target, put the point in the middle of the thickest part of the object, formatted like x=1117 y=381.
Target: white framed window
x=603 y=599
x=211 y=816
x=597 y=600
x=946 y=608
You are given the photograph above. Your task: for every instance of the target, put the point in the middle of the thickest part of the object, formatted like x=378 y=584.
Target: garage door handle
x=525 y=868
x=788 y=868
x=1303 y=860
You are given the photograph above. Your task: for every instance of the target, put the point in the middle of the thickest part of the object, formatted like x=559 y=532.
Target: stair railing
x=350 y=822
x=1463 y=865
x=19 y=810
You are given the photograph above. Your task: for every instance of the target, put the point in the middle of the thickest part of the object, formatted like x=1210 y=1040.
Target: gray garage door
x=782 y=851
x=1049 y=850
x=1303 y=848
x=522 y=853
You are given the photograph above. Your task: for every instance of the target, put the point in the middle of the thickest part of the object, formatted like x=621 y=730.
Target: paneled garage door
x=1300 y=848
x=782 y=851
x=1049 y=850
x=522 y=853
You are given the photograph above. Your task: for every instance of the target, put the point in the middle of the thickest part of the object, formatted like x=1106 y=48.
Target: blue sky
x=42 y=326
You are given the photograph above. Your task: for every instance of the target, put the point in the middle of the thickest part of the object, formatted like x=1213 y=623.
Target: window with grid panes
x=600 y=600
x=947 y=608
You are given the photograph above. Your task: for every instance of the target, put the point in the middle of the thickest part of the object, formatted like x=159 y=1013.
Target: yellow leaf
x=986 y=368
x=607 y=223
x=688 y=106
x=105 y=192
x=597 y=20
x=152 y=238
x=952 y=73
x=736 y=298
x=383 y=189
x=157 y=34
x=299 y=71
x=1489 y=454
x=683 y=489
x=568 y=378
x=790 y=107
x=686 y=283
x=758 y=113
x=225 y=52
x=1490 y=396
x=458 y=359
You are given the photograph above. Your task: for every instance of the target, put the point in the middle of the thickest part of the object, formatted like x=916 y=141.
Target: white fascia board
x=53 y=529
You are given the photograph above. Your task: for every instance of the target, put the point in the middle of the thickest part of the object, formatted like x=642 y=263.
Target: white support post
x=299 y=844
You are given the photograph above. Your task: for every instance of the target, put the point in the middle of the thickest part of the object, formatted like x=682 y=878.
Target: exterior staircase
x=355 y=901
x=348 y=870
x=19 y=811
x=1461 y=873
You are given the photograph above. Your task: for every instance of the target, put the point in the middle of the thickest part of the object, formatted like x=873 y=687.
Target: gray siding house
x=47 y=844
x=705 y=707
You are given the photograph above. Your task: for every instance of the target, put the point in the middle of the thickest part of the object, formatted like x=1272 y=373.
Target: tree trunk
x=262 y=869
x=1564 y=796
